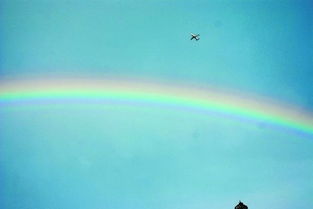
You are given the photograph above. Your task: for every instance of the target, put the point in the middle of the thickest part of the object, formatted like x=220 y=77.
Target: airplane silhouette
x=193 y=36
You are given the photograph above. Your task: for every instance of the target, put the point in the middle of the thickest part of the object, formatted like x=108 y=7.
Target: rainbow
x=186 y=97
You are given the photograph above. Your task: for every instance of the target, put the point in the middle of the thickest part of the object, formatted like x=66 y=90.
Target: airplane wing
x=192 y=37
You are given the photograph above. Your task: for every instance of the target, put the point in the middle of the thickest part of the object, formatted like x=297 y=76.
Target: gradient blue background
x=117 y=156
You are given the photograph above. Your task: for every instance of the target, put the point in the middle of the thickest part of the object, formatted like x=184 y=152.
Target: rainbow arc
x=212 y=100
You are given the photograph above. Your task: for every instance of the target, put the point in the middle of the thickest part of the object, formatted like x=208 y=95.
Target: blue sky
x=256 y=46
x=129 y=157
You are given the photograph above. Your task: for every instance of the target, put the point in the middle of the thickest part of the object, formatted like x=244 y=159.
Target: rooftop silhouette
x=241 y=206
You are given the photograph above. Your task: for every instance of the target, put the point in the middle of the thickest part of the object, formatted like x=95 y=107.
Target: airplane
x=193 y=36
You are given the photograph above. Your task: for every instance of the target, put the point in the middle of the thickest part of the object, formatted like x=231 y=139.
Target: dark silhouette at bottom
x=241 y=206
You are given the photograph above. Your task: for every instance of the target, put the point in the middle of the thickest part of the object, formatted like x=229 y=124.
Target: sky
x=119 y=156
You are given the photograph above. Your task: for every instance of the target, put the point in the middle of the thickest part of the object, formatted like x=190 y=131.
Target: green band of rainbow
x=206 y=99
